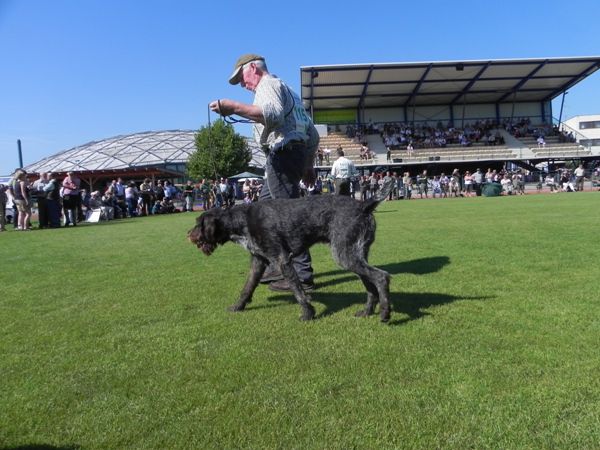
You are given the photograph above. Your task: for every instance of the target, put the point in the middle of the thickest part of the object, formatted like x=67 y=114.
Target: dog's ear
x=208 y=228
x=214 y=228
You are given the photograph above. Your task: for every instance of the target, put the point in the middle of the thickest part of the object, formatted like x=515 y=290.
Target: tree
x=220 y=151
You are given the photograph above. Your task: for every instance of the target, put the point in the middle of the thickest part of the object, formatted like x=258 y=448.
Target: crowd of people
x=62 y=202
x=398 y=136
x=522 y=127
x=456 y=184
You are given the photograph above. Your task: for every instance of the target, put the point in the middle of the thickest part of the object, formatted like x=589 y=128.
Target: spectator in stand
x=327 y=154
x=541 y=142
x=71 y=198
x=579 y=177
x=409 y=149
x=320 y=155
x=39 y=189
x=343 y=172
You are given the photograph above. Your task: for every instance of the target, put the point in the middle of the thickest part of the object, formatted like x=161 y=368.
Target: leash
x=232 y=120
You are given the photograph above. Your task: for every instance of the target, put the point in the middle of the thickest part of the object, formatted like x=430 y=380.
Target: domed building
x=151 y=154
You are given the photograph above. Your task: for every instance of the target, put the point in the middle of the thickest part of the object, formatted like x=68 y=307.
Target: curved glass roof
x=139 y=150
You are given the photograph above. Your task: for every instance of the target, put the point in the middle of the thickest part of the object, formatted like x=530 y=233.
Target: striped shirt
x=285 y=117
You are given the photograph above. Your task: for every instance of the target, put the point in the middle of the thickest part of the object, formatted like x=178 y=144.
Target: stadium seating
x=338 y=139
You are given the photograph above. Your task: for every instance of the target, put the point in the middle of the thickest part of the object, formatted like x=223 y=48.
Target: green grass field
x=116 y=336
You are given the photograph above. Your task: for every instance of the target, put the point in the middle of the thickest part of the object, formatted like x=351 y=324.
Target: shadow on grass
x=413 y=305
x=421 y=266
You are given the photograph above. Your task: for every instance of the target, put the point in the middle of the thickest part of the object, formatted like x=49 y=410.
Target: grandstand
x=359 y=103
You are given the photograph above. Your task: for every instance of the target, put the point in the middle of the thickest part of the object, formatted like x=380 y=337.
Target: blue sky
x=74 y=71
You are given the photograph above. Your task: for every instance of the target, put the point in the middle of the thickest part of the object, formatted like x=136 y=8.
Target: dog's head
x=209 y=231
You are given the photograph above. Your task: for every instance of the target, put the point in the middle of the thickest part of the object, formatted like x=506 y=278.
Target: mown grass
x=117 y=336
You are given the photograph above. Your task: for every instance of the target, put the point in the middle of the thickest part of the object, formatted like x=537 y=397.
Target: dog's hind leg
x=376 y=281
x=257 y=268
x=289 y=273
x=372 y=298
x=381 y=280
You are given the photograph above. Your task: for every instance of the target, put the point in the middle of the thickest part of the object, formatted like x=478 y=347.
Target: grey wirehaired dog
x=276 y=230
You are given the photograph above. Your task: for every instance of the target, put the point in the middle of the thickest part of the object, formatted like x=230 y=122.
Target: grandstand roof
x=160 y=150
x=442 y=83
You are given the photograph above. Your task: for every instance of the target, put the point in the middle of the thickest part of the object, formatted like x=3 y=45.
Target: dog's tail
x=370 y=205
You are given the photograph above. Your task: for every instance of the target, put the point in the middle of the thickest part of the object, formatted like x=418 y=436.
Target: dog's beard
x=196 y=237
x=206 y=248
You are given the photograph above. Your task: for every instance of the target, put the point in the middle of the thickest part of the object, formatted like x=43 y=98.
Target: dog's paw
x=385 y=316
x=362 y=313
x=308 y=314
x=236 y=308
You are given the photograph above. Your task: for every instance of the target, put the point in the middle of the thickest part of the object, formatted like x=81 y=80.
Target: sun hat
x=235 y=77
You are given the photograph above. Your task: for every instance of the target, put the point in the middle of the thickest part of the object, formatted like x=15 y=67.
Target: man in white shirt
x=579 y=174
x=288 y=136
x=342 y=172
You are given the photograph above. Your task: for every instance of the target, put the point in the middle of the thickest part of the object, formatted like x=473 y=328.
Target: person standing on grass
x=146 y=192
x=3 y=200
x=285 y=132
x=71 y=198
x=53 y=201
x=20 y=193
x=188 y=193
x=131 y=194
x=40 y=193
x=579 y=174
x=342 y=172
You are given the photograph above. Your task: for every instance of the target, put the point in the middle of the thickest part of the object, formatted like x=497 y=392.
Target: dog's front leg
x=257 y=268
x=288 y=271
